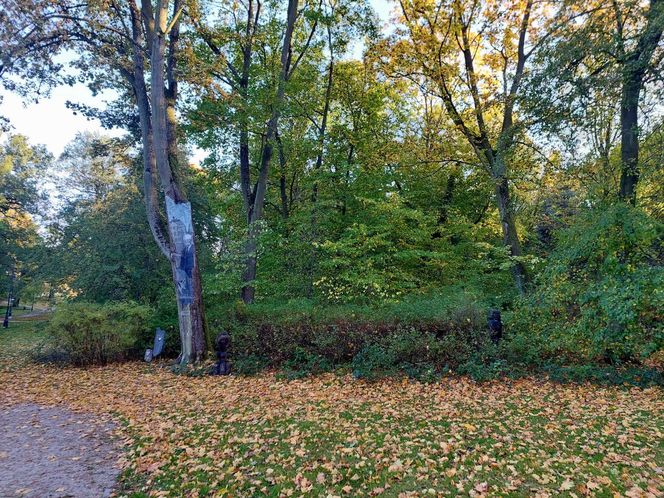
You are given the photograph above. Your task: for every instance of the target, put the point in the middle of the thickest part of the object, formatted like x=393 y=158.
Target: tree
x=98 y=245
x=472 y=56
x=635 y=63
x=233 y=68
x=604 y=64
x=21 y=167
x=116 y=38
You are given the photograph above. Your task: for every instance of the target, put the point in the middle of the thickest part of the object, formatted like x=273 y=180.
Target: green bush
x=90 y=334
x=600 y=296
x=641 y=377
x=249 y=364
x=304 y=363
x=421 y=337
x=374 y=361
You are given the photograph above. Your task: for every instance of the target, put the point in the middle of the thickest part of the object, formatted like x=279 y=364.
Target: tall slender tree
x=236 y=73
x=472 y=55
x=125 y=38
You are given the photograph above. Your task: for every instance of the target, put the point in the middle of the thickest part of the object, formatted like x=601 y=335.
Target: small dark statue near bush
x=495 y=326
x=221 y=343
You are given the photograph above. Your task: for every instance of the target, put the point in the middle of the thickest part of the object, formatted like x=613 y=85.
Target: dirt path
x=35 y=315
x=51 y=452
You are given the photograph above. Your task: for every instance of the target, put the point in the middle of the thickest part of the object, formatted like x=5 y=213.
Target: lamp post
x=5 y=322
x=8 y=312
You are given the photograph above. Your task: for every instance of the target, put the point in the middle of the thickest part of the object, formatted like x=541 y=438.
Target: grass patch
x=19 y=342
x=333 y=435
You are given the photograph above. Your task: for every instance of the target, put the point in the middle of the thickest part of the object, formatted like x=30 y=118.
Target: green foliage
x=100 y=247
x=304 y=363
x=421 y=337
x=425 y=351
x=599 y=298
x=632 y=376
x=21 y=166
x=249 y=364
x=91 y=334
x=394 y=245
x=373 y=361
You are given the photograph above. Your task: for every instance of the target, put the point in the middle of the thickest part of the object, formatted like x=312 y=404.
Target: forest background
x=364 y=191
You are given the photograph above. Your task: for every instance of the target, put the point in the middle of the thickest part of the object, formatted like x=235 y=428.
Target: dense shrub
x=374 y=361
x=248 y=364
x=304 y=363
x=421 y=337
x=89 y=333
x=600 y=297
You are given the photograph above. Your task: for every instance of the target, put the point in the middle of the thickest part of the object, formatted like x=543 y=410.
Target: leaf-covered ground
x=333 y=436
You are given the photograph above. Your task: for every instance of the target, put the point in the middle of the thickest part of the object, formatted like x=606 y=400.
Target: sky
x=50 y=123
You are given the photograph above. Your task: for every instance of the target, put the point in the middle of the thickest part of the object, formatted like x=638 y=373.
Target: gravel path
x=51 y=452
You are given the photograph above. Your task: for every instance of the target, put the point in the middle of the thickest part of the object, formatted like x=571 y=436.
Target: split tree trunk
x=158 y=130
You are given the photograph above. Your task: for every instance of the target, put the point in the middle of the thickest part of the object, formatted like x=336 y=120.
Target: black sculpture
x=495 y=326
x=221 y=343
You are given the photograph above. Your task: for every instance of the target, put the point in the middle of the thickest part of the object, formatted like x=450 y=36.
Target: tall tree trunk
x=629 y=142
x=508 y=226
x=635 y=65
x=256 y=210
x=181 y=247
x=196 y=309
x=137 y=80
x=248 y=292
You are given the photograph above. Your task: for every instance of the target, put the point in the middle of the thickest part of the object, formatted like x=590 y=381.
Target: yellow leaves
x=566 y=485
x=302 y=483
x=331 y=436
x=482 y=487
x=153 y=467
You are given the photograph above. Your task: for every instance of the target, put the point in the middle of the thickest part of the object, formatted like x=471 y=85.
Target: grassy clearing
x=331 y=435
x=18 y=342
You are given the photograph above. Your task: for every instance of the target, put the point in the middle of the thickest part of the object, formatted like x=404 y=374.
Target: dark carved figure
x=221 y=344
x=495 y=326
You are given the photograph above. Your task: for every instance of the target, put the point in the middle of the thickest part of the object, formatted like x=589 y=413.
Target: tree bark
x=635 y=65
x=629 y=141
x=248 y=292
x=137 y=80
x=510 y=236
x=160 y=156
x=196 y=309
